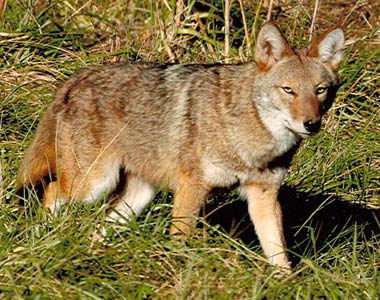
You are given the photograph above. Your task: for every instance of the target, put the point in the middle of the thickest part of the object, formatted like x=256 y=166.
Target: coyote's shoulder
x=189 y=128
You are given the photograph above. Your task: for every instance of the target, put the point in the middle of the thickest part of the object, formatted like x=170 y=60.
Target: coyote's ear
x=329 y=47
x=271 y=46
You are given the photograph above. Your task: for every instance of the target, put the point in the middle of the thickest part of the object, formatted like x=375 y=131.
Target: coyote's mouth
x=302 y=134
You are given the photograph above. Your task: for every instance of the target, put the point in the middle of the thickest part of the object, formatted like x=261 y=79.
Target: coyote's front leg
x=188 y=200
x=265 y=212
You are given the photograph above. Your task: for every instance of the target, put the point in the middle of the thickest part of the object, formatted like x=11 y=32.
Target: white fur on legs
x=136 y=196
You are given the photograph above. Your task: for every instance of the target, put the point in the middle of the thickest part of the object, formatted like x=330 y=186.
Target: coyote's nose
x=312 y=126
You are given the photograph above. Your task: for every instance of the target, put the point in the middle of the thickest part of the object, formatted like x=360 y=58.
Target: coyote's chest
x=222 y=174
x=252 y=162
x=219 y=175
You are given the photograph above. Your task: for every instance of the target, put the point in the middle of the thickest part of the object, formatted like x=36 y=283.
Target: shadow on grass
x=312 y=223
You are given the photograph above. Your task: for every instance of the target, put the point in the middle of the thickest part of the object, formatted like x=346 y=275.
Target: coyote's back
x=188 y=128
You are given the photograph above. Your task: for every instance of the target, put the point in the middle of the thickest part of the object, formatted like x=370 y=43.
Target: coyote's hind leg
x=135 y=196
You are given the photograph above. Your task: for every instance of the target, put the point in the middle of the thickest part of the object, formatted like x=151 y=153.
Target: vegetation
x=330 y=198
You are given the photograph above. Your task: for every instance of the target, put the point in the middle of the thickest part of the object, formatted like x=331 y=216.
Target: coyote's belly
x=219 y=175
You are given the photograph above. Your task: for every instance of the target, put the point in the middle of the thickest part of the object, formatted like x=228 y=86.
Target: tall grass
x=330 y=198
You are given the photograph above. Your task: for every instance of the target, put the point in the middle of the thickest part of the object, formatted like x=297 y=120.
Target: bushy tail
x=39 y=163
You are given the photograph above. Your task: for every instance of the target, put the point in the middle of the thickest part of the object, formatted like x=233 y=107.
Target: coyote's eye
x=288 y=90
x=321 y=90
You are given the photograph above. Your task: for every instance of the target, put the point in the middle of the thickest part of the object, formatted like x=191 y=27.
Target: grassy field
x=330 y=198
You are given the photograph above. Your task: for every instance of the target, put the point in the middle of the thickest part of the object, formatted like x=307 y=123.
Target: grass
x=330 y=198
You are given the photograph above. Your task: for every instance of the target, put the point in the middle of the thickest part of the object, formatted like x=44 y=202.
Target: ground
x=330 y=198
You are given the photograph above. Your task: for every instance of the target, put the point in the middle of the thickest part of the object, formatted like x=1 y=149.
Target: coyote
x=132 y=128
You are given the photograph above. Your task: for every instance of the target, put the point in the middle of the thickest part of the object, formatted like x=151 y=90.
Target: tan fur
x=133 y=128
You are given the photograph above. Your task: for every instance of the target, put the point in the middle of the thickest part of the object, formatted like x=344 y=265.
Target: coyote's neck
x=275 y=123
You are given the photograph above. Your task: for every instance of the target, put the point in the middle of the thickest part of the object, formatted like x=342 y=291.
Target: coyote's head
x=297 y=86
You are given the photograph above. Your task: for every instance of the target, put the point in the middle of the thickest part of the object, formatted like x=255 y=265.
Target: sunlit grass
x=330 y=198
